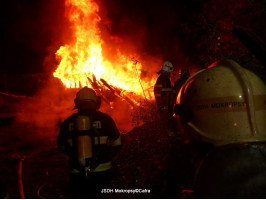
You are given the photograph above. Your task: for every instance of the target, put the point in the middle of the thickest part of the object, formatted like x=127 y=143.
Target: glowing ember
x=83 y=56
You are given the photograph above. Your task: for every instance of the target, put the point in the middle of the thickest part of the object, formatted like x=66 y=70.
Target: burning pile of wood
x=142 y=111
x=109 y=93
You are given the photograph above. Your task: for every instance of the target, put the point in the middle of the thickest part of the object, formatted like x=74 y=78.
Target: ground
x=141 y=163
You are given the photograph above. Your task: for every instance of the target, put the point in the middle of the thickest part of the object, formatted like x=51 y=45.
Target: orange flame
x=83 y=56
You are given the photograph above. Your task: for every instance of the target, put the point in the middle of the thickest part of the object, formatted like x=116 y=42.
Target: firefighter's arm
x=61 y=141
x=167 y=89
x=114 y=137
x=116 y=144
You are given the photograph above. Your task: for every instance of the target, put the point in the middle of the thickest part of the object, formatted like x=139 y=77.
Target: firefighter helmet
x=167 y=67
x=87 y=98
x=223 y=104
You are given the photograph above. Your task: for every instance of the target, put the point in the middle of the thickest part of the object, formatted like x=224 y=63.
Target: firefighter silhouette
x=163 y=87
x=90 y=138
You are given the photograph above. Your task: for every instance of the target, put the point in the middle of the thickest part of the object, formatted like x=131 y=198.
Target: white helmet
x=224 y=104
x=167 y=67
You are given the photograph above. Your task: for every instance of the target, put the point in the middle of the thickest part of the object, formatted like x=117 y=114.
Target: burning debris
x=107 y=92
x=84 y=62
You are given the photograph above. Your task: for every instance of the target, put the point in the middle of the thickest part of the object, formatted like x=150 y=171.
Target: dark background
x=193 y=32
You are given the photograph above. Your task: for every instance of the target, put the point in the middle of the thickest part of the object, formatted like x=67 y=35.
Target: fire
x=83 y=57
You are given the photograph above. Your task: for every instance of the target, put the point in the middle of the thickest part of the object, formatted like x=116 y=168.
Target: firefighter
x=162 y=93
x=163 y=87
x=184 y=75
x=222 y=112
x=174 y=142
x=90 y=138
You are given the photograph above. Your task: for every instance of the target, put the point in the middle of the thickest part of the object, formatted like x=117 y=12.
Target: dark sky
x=28 y=27
x=32 y=30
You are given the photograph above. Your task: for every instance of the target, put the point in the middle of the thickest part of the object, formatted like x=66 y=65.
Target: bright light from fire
x=83 y=57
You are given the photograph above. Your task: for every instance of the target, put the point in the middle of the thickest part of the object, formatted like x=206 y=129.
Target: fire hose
x=43 y=186
x=20 y=157
x=39 y=191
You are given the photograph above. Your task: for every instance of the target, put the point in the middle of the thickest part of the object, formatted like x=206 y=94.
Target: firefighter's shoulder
x=70 y=119
x=104 y=116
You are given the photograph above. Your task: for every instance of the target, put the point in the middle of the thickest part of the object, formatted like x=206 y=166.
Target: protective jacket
x=162 y=91
x=104 y=136
x=177 y=86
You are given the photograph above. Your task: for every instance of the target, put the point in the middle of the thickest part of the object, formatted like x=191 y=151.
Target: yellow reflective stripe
x=158 y=85
x=219 y=105
x=227 y=104
x=63 y=148
x=117 y=142
x=69 y=142
x=167 y=89
x=103 y=167
x=75 y=171
x=71 y=126
x=97 y=124
x=103 y=140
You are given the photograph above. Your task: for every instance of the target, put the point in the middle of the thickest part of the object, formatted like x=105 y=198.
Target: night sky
x=28 y=29
x=32 y=30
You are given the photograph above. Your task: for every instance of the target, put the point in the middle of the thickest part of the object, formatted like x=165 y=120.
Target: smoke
x=121 y=112
x=154 y=30
x=43 y=113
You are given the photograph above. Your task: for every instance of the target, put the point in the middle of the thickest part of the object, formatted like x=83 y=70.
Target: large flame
x=83 y=57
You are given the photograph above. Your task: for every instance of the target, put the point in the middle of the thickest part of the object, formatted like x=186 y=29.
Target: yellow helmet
x=86 y=97
x=223 y=104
